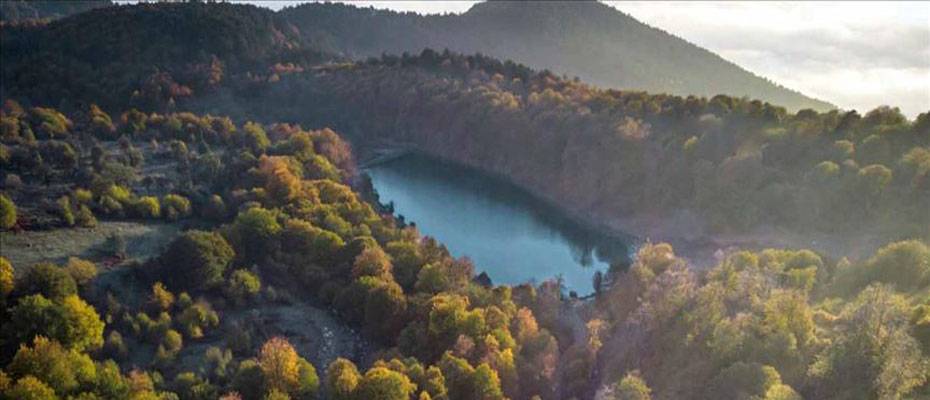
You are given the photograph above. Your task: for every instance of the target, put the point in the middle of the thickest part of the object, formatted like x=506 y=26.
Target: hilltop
x=587 y=39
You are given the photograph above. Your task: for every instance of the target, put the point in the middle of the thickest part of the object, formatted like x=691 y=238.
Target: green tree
x=83 y=329
x=49 y=280
x=30 y=388
x=254 y=137
x=256 y=230
x=380 y=383
x=308 y=384
x=196 y=260
x=64 y=370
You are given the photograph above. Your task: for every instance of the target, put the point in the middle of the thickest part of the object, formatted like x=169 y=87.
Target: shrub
x=175 y=206
x=7 y=212
x=85 y=217
x=146 y=207
x=82 y=271
x=7 y=282
x=242 y=286
x=198 y=317
x=64 y=211
x=161 y=299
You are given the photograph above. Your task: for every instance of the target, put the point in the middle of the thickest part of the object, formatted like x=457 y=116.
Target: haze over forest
x=205 y=200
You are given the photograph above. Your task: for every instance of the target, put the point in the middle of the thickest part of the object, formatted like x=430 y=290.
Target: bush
x=146 y=207
x=82 y=271
x=198 y=317
x=904 y=264
x=7 y=212
x=242 y=286
x=85 y=217
x=175 y=207
x=7 y=282
x=161 y=299
x=64 y=211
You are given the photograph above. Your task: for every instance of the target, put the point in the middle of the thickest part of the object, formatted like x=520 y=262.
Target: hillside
x=659 y=166
x=154 y=248
x=109 y=54
x=24 y=10
x=590 y=40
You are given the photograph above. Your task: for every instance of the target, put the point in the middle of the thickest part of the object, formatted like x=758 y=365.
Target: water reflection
x=509 y=234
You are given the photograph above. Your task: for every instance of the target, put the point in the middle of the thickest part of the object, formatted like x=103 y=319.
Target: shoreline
x=702 y=250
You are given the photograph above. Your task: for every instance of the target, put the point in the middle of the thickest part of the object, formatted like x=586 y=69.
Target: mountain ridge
x=573 y=38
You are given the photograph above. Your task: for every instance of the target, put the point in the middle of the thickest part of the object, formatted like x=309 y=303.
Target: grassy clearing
x=143 y=240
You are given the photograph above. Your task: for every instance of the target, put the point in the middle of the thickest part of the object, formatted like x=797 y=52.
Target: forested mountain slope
x=25 y=10
x=275 y=216
x=587 y=39
x=154 y=53
x=712 y=167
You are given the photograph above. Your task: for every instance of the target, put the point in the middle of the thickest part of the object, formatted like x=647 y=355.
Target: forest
x=574 y=38
x=281 y=275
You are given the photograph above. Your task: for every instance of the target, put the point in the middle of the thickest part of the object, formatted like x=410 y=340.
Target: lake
x=506 y=232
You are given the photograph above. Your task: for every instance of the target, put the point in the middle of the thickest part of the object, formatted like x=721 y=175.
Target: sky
x=857 y=55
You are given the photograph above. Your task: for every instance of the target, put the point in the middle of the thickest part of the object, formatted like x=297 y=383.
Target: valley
x=208 y=200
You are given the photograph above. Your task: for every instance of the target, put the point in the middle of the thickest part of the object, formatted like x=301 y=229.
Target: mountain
x=23 y=10
x=587 y=39
x=160 y=51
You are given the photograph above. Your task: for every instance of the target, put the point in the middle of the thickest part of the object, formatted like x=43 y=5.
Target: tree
x=7 y=212
x=146 y=207
x=175 y=206
x=64 y=370
x=196 y=260
x=750 y=381
x=487 y=384
x=254 y=137
x=30 y=388
x=280 y=365
x=383 y=384
x=904 y=264
x=249 y=380
x=342 y=378
x=242 y=286
x=256 y=228
x=49 y=280
x=384 y=311
x=83 y=329
x=161 y=299
x=82 y=271
x=308 y=383
x=7 y=282
x=633 y=387
x=372 y=262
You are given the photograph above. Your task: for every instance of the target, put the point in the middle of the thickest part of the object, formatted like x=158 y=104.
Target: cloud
x=857 y=55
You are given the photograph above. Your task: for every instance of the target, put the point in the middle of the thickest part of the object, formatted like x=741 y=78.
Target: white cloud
x=858 y=55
